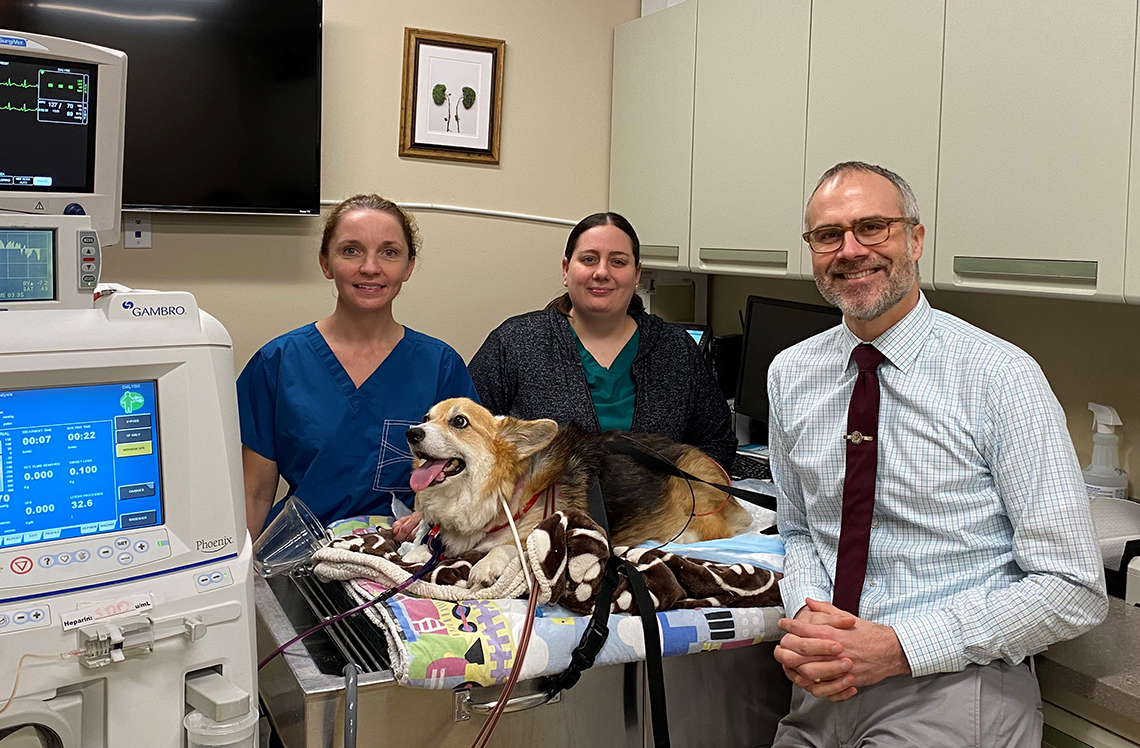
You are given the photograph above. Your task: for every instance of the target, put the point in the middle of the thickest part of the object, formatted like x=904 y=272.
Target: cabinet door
x=874 y=93
x=651 y=137
x=1132 y=246
x=1036 y=131
x=748 y=144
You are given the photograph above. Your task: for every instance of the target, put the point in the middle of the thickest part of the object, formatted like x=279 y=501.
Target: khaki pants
x=984 y=706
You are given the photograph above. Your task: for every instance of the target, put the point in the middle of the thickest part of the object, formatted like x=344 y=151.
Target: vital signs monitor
x=62 y=109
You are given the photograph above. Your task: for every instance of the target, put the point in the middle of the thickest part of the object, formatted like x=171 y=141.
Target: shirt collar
x=903 y=340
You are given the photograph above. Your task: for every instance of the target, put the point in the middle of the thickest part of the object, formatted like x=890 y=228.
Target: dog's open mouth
x=435 y=470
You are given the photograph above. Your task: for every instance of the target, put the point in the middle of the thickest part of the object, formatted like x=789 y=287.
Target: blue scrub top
x=341 y=448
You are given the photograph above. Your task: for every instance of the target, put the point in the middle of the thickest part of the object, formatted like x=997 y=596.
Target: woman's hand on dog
x=405 y=528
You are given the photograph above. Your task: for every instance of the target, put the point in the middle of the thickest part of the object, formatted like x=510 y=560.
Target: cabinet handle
x=1074 y=270
x=465 y=707
x=660 y=251
x=751 y=256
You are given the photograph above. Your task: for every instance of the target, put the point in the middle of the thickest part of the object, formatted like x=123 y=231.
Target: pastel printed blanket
x=449 y=639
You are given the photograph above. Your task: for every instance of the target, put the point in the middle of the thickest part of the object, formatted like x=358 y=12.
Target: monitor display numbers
x=47 y=108
x=77 y=461
x=27 y=265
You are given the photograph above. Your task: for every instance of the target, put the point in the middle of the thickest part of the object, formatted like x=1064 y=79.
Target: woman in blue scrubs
x=326 y=406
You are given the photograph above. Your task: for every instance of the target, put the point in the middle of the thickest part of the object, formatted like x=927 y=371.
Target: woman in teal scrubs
x=326 y=406
x=596 y=357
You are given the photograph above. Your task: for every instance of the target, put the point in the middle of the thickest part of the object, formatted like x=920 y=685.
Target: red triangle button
x=22 y=565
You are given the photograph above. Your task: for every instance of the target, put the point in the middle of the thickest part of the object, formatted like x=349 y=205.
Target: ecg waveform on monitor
x=23 y=84
x=27 y=265
x=24 y=249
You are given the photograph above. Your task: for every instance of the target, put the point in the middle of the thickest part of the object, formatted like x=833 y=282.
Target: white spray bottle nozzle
x=1105 y=418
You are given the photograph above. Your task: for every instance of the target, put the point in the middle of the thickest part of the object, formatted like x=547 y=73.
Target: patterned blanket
x=566 y=554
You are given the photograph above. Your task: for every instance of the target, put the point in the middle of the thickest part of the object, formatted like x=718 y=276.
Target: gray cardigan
x=528 y=367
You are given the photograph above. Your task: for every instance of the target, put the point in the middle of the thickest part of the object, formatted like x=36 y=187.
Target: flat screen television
x=223 y=97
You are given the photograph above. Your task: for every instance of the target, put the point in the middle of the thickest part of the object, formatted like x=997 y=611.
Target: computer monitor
x=770 y=326
x=62 y=114
x=47 y=262
x=701 y=334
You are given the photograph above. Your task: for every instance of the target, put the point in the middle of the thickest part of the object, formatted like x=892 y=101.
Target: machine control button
x=88 y=278
x=3 y=620
x=86 y=239
x=122 y=543
x=36 y=615
x=82 y=555
x=22 y=565
x=105 y=552
x=125 y=558
x=204 y=579
x=216 y=576
x=47 y=561
x=64 y=558
x=20 y=618
x=87 y=251
x=141 y=546
x=87 y=267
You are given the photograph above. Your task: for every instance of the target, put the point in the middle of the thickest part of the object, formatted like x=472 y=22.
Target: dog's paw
x=418 y=555
x=488 y=569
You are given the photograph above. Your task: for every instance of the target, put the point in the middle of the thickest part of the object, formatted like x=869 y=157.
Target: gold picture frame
x=452 y=101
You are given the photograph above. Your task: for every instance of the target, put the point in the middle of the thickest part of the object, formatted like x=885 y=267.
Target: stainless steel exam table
x=719 y=699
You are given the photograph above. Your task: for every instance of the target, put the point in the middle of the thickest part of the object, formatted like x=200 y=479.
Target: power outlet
x=136 y=231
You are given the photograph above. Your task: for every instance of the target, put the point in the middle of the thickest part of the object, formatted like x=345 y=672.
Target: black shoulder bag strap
x=583 y=656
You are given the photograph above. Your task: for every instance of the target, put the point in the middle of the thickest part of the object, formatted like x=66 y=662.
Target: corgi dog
x=468 y=464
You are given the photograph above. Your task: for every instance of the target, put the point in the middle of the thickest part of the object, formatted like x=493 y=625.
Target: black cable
x=692 y=493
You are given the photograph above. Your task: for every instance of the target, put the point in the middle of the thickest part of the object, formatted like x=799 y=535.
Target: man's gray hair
x=909 y=203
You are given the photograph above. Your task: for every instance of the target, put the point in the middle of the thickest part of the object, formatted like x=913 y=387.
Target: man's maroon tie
x=859 y=482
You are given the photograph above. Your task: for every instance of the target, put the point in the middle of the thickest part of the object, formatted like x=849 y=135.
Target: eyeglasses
x=868 y=232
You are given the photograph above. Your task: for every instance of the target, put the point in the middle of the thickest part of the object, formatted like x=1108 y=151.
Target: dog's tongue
x=426 y=474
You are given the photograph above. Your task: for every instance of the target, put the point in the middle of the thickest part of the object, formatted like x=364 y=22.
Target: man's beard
x=900 y=277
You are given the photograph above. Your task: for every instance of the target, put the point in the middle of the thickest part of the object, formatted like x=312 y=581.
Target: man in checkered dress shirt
x=982 y=548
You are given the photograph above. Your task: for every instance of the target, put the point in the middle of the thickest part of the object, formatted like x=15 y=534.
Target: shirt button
x=873 y=582
x=874 y=524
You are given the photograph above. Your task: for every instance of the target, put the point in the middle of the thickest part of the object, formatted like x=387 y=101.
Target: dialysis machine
x=126 y=596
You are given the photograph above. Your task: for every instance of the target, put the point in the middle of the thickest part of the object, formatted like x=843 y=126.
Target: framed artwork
x=452 y=99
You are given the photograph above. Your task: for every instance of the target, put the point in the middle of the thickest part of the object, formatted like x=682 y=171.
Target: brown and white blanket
x=566 y=553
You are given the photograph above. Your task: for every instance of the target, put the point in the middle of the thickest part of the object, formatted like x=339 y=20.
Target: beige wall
x=259 y=275
x=1088 y=351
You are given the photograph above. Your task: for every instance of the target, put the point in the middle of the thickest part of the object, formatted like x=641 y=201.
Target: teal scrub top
x=612 y=389
x=341 y=448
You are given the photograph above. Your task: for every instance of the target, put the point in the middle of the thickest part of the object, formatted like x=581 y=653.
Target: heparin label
x=92 y=612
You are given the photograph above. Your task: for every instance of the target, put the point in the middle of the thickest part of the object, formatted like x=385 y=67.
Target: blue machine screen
x=27 y=264
x=78 y=461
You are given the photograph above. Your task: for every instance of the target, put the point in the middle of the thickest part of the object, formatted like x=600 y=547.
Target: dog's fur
x=502 y=458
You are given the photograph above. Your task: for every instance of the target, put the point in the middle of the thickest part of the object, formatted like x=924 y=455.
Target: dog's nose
x=414 y=435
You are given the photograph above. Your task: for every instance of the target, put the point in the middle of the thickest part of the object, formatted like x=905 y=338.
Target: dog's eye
x=459 y=422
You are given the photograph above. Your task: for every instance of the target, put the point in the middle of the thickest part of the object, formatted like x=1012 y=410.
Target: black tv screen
x=223 y=97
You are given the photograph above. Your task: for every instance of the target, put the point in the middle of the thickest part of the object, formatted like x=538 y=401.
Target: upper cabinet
x=1037 y=101
x=1012 y=121
x=748 y=136
x=651 y=138
x=874 y=96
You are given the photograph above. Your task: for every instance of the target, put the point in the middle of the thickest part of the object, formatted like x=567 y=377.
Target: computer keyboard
x=748 y=465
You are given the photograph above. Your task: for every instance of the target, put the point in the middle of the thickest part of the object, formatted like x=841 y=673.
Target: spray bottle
x=1103 y=477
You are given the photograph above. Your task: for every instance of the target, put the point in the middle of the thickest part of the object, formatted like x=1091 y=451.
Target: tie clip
x=858 y=438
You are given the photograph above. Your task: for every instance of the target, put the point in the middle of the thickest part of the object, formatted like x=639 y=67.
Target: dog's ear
x=527 y=437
